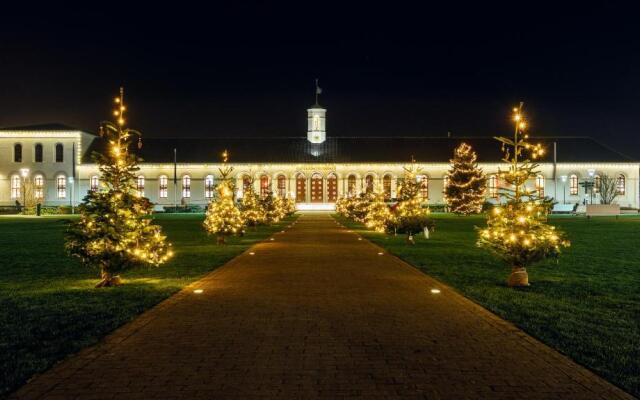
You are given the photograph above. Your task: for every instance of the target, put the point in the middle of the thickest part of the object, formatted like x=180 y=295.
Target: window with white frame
x=59 y=152
x=386 y=186
x=208 y=187
x=540 y=185
x=94 y=183
x=621 y=185
x=368 y=183
x=38 y=187
x=163 y=184
x=351 y=185
x=16 y=186
x=573 y=185
x=140 y=185
x=61 y=186
x=264 y=186
x=282 y=186
x=423 y=180
x=186 y=186
x=493 y=186
x=38 y=153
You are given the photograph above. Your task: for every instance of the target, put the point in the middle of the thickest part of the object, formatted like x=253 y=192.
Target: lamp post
x=71 y=181
x=24 y=172
x=563 y=178
x=591 y=173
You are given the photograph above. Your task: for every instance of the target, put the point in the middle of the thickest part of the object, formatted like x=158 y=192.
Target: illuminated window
x=163 y=183
x=38 y=187
x=186 y=186
x=369 y=183
x=17 y=152
x=59 y=152
x=493 y=186
x=351 y=185
x=282 y=186
x=61 y=186
x=424 y=186
x=540 y=185
x=208 y=187
x=386 y=187
x=246 y=183
x=621 y=185
x=94 y=183
x=15 y=187
x=140 y=185
x=37 y=153
x=573 y=185
x=264 y=186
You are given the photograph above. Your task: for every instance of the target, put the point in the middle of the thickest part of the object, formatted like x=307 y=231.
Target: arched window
x=573 y=185
x=540 y=185
x=61 y=186
x=386 y=186
x=186 y=186
x=37 y=153
x=621 y=185
x=351 y=185
x=282 y=186
x=163 y=184
x=208 y=187
x=59 y=152
x=246 y=183
x=38 y=187
x=368 y=183
x=493 y=186
x=17 y=152
x=597 y=184
x=264 y=186
x=424 y=187
x=140 y=185
x=16 y=186
x=94 y=183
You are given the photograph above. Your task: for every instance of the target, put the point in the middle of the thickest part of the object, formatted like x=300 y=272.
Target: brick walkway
x=317 y=313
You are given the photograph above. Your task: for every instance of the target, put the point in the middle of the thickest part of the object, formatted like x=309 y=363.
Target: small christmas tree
x=517 y=232
x=465 y=192
x=223 y=218
x=252 y=211
x=114 y=232
x=409 y=216
x=378 y=213
x=270 y=208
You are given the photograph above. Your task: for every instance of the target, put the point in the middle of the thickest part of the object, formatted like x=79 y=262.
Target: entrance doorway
x=301 y=189
x=316 y=188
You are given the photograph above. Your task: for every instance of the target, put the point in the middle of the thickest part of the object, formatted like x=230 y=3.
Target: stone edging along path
x=318 y=312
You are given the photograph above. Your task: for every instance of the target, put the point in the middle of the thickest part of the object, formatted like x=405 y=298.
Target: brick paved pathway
x=317 y=313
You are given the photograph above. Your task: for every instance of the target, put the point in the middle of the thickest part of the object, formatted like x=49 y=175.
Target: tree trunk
x=221 y=239
x=109 y=280
x=518 y=278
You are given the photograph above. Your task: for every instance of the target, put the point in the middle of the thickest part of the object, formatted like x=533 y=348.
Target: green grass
x=587 y=306
x=49 y=308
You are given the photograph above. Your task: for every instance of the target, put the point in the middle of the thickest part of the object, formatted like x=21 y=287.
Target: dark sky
x=397 y=70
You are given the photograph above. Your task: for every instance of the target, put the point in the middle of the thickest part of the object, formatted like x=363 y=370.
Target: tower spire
x=318 y=91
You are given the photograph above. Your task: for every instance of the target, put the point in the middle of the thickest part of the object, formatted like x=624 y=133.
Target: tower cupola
x=316 y=120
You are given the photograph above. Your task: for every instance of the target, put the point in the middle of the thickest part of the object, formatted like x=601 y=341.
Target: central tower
x=316 y=120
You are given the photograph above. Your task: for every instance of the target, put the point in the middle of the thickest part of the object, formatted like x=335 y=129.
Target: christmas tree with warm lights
x=115 y=232
x=378 y=213
x=409 y=216
x=517 y=231
x=252 y=211
x=465 y=191
x=223 y=218
x=272 y=212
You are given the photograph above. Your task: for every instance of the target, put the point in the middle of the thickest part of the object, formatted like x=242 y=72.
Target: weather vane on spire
x=318 y=91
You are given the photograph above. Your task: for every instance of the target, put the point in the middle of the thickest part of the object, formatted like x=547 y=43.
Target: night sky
x=393 y=71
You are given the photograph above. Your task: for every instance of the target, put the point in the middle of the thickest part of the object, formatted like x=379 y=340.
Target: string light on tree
x=114 y=232
x=466 y=188
x=517 y=231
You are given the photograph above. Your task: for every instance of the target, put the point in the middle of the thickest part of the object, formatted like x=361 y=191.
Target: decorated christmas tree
x=465 y=192
x=223 y=218
x=252 y=211
x=269 y=205
x=115 y=231
x=409 y=216
x=378 y=213
x=517 y=231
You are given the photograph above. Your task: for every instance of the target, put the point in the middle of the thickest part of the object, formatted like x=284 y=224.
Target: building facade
x=55 y=162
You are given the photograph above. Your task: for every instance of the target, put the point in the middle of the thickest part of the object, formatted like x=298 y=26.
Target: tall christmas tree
x=223 y=218
x=252 y=211
x=465 y=192
x=517 y=231
x=115 y=231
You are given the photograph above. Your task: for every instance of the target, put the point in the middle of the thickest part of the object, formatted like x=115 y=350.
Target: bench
x=603 y=209
x=563 y=208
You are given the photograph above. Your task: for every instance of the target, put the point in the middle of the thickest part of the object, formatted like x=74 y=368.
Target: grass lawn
x=49 y=308
x=587 y=306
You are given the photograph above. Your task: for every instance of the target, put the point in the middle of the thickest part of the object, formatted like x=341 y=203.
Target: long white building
x=56 y=161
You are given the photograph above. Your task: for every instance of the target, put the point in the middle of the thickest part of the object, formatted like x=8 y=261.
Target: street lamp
x=591 y=173
x=563 y=178
x=71 y=180
x=24 y=172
